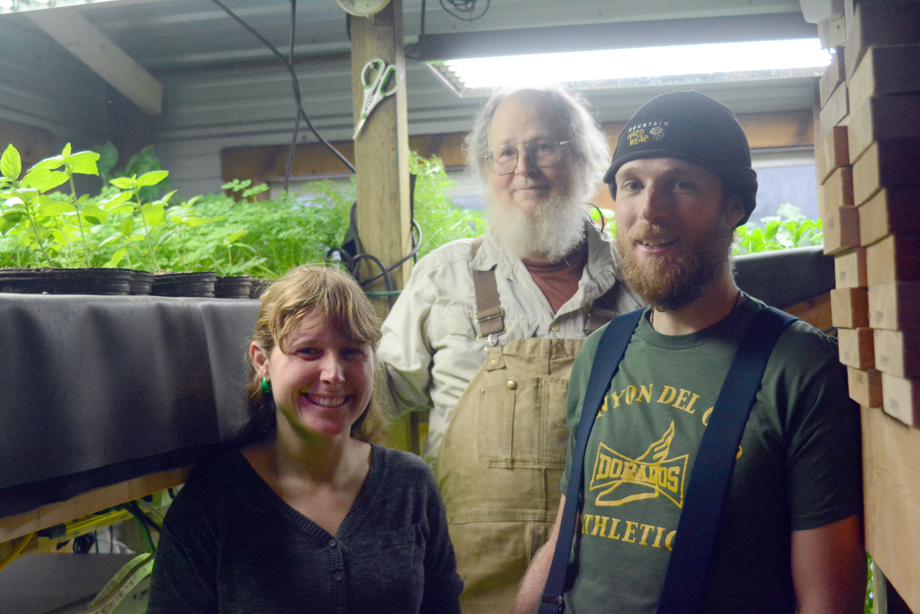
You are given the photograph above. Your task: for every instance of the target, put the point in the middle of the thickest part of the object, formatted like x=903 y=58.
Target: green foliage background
x=133 y=224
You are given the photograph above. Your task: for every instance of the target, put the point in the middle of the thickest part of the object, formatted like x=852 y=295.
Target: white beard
x=550 y=232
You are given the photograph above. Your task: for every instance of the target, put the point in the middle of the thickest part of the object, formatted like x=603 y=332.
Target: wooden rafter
x=96 y=50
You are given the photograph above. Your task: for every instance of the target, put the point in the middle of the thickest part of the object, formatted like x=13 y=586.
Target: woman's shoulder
x=403 y=464
x=217 y=470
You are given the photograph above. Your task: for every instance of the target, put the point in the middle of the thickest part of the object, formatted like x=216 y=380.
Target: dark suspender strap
x=610 y=351
x=489 y=312
x=604 y=309
x=715 y=461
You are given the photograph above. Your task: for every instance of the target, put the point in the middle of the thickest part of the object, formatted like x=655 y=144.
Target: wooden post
x=382 y=149
x=382 y=163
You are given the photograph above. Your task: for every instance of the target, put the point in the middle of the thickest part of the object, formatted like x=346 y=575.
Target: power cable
x=145 y=522
x=601 y=214
x=464 y=9
x=352 y=261
x=295 y=81
x=293 y=151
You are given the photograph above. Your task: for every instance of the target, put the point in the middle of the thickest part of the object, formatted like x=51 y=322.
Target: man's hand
x=829 y=568
x=535 y=579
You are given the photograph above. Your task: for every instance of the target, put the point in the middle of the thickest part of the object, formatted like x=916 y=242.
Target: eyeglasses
x=541 y=152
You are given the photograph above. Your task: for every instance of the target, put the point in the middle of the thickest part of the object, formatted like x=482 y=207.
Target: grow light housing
x=627 y=54
x=20 y=6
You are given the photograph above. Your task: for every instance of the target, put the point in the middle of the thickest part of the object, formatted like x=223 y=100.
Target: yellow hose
x=16 y=550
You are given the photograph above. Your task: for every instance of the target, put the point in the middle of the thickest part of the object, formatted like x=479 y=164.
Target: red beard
x=672 y=282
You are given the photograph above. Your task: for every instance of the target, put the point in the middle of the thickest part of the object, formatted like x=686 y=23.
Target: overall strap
x=489 y=312
x=610 y=351
x=699 y=518
x=491 y=317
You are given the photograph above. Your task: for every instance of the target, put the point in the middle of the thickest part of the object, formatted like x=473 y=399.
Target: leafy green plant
x=439 y=218
x=49 y=222
x=151 y=215
x=249 y=191
x=788 y=228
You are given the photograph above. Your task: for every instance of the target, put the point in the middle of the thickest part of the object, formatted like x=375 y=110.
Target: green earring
x=266 y=386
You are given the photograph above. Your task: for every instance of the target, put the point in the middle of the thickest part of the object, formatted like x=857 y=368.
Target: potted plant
x=53 y=226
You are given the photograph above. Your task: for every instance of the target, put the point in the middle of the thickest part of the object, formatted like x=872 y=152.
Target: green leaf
x=94 y=214
x=66 y=151
x=113 y=203
x=117 y=257
x=127 y=226
x=152 y=178
x=123 y=183
x=14 y=203
x=50 y=206
x=770 y=230
x=43 y=179
x=9 y=220
x=83 y=162
x=48 y=163
x=154 y=215
x=11 y=163
x=108 y=158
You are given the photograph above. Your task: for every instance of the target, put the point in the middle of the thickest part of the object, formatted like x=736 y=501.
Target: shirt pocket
x=446 y=321
x=521 y=423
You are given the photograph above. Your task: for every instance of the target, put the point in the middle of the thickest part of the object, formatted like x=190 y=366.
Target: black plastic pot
x=184 y=284
x=142 y=282
x=66 y=281
x=259 y=286
x=233 y=287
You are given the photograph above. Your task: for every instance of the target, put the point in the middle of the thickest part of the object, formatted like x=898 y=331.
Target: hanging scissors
x=380 y=81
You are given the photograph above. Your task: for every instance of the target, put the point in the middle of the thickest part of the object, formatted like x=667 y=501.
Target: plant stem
x=73 y=201
x=38 y=235
x=153 y=255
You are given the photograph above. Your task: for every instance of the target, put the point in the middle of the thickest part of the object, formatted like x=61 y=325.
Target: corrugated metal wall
x=222 y=88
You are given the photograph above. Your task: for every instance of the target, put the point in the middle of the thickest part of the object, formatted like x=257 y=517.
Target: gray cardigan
x=229 y=544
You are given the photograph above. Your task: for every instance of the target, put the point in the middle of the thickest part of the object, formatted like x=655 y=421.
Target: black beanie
x=692 y=127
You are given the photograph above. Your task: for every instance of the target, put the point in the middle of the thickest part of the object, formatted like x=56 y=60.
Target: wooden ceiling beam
x=105 y=58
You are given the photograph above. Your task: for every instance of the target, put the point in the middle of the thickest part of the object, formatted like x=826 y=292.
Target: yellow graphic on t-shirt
x=622 y=479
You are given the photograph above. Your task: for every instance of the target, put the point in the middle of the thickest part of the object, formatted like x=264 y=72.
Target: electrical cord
x=465 y=9
x=416 y=244
x=295 y=82
x=352 y=262
x=145 y=522
x=290 y=161
x=601 y=214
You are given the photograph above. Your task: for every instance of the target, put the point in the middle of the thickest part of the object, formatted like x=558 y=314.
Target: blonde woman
x=309 y=516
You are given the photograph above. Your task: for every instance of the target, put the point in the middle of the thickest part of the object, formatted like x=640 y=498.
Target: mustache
x=651 y=233
x=524 y=184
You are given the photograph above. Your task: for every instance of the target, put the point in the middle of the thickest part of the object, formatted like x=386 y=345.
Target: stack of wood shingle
x=868 y=164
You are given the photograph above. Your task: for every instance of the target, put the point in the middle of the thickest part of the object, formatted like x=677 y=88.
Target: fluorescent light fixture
x=612 y=68
x=19 y=6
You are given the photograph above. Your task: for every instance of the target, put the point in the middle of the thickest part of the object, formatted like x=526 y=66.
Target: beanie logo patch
x=644 y=131
x=637 y=136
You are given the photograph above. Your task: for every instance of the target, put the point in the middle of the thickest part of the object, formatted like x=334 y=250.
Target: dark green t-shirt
x=798 y=468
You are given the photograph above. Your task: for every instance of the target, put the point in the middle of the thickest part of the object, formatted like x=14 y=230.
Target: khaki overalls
x=502 y=457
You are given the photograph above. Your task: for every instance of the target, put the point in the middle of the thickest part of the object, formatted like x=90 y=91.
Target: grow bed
x=102 y=389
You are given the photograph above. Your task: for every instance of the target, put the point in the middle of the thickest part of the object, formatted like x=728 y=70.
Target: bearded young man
x=789 y=535
x=485 y=333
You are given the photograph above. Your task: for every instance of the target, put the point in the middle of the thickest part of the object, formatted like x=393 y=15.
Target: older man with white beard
x=486 y=330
